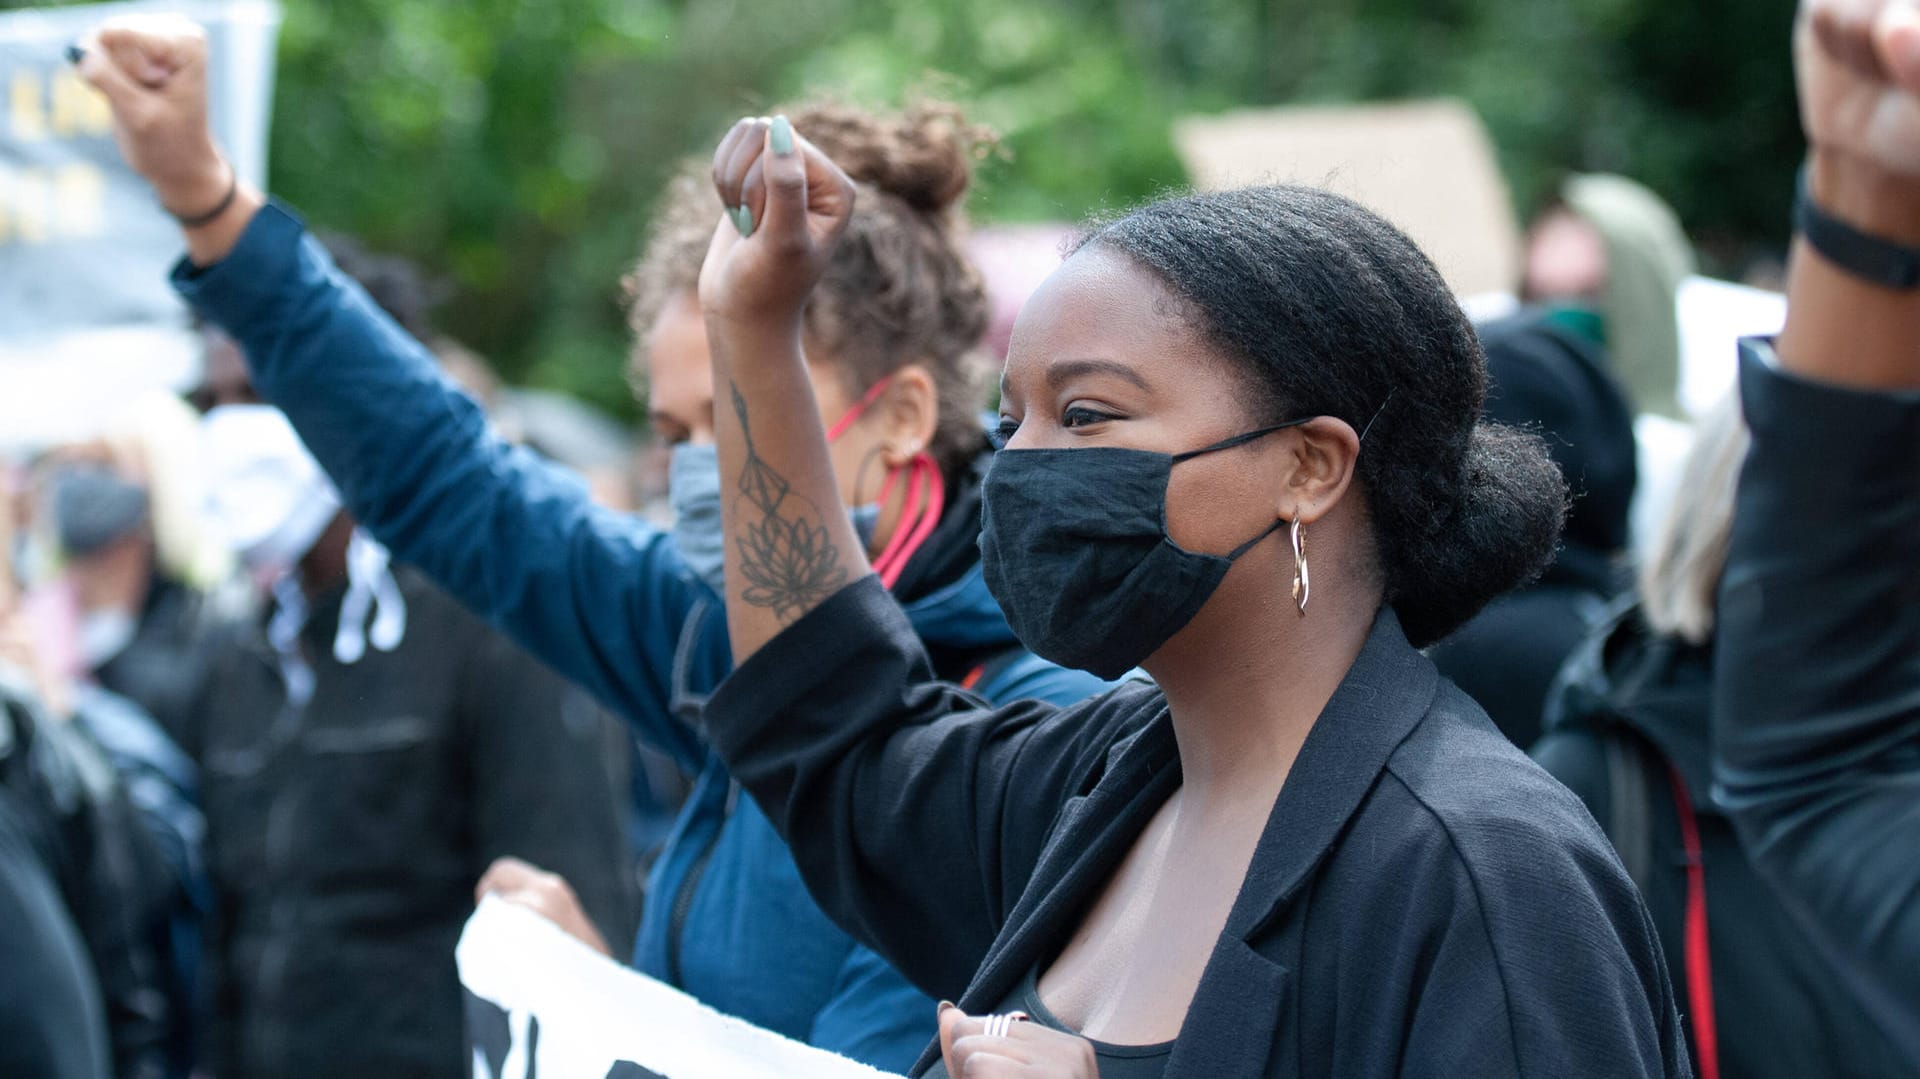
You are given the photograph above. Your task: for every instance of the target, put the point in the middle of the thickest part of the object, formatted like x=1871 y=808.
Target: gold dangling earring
x=1302 y=584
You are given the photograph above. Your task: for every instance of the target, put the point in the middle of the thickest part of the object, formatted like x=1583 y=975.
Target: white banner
x=87 y=320
x=541 y=1005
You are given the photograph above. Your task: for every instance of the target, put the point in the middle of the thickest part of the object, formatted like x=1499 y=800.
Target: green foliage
x=514 y=146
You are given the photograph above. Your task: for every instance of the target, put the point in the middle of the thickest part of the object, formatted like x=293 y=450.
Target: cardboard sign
x=1428 y=167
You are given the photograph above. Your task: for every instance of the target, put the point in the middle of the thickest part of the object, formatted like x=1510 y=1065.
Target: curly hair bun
x=901 y=287
x=923 y=156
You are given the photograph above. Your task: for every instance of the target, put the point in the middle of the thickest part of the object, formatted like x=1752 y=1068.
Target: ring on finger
x=1000 y=1026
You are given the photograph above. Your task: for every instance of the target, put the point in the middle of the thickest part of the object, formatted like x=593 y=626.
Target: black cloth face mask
x=1074 y=547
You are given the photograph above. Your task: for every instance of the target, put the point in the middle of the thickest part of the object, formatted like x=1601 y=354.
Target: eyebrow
x=1067 y=370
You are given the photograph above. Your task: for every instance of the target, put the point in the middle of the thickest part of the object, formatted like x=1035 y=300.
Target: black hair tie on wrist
x=1871 y=258
x=226 y=203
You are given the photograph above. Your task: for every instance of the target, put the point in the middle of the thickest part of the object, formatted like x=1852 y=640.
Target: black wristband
x=1883 y=262
x=226 y=202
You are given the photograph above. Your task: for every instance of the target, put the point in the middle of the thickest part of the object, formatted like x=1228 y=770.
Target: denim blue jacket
x=604 y=599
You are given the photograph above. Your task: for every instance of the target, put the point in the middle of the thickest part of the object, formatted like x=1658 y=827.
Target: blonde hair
x=1681 y=575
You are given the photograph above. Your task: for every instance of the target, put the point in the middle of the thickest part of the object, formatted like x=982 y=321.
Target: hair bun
x=923 y=156
x=1501 y=535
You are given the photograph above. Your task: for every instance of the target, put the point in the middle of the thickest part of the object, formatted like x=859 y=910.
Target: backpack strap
x=1630 y=804
x=1706 y=1036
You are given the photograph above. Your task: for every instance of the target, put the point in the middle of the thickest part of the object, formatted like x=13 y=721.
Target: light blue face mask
x=693 y=490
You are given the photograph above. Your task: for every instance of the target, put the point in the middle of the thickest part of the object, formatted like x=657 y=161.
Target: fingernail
x=781 y=136
x=743 y=220
x=75 y=54
x=944 y=1008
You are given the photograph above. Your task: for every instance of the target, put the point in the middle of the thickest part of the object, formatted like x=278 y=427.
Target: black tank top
x=1116 y=1061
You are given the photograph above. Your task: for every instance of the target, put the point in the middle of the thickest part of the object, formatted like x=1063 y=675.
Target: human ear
x=909 y=414
x=1322 y=455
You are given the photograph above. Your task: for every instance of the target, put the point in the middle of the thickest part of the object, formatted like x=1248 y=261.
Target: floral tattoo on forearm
x=787 y=560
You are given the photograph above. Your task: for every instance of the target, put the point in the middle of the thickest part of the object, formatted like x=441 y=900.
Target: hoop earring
x=1302 y=584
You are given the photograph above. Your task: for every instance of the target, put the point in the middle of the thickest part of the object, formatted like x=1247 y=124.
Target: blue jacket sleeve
x=1817 y=673
x=598 y=595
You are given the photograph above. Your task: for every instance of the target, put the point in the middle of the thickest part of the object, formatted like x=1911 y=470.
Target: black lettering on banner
x=490 y=1042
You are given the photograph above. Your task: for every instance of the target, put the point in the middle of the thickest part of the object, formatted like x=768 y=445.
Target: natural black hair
x=1332 y=311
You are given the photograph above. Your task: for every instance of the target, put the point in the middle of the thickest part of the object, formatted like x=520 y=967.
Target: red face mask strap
x=852 y=415
x=926 y=501
x=886 y=488
x=891 y=560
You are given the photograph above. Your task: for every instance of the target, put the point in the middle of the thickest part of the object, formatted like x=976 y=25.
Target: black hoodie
x=1778 y=1007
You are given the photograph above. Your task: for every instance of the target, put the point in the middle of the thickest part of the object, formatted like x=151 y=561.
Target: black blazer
x=1424 y=900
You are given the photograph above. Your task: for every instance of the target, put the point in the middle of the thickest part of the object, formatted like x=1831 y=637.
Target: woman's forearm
x=788 y=545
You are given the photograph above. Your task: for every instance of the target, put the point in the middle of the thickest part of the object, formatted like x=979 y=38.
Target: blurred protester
x=146 y=641
x=1245 y=453
x=52 y=1021
x=625 y=609
x=1607 y=259
x=1816 y=739
x=564 y=431
x=87 y=881
x=143 y=633
x=1629 y=732
x=1554 y=381
x=1606 y=262
x=366 y=753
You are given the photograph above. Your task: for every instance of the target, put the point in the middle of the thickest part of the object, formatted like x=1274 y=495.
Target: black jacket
x=164 y=669
x=81 y=867
x=1778 y=1008
x=1817 y=682
x=1424 y=900
x=345 y=839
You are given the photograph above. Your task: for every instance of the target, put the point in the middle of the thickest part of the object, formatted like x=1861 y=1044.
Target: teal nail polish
x=780 y=134
x=75 y=54
x=743 y=220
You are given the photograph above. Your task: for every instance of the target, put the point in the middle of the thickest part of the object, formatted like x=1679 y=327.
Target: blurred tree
x=514 y=146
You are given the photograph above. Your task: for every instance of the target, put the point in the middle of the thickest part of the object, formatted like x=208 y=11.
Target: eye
x=1004 y=431
x=1081 y=416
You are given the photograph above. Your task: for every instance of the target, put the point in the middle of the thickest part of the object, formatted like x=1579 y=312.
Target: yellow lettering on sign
x=27 y=107
x=80 y=202
x=29 y=199
x=79 y=109
x=40 y=205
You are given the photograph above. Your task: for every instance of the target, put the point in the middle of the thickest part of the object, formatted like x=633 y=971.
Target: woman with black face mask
x=1242 y=453
x=616 y=606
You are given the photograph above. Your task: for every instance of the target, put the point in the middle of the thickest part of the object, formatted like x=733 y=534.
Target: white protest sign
x=541 y=1005
x=87 y=320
